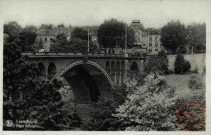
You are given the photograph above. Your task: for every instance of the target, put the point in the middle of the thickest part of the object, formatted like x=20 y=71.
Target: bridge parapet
x=55 y=54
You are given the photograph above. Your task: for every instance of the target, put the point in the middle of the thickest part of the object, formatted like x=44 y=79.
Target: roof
x=137 y=23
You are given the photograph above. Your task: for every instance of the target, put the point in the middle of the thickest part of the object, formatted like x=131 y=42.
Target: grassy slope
x=180 y=82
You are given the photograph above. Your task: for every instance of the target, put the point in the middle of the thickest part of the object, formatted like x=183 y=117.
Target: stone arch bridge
x=91 y=73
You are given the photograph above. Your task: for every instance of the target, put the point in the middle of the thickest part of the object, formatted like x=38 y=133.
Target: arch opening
x=134 y=67
x=88 y=81
x=42 y=73
x=113 y=65
x=51 y=70
x=118 y=73
x=107 y=65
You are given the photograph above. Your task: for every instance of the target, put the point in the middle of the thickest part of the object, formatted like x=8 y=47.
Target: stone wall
x=196 y=61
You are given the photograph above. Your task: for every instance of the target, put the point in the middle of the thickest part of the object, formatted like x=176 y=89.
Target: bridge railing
x=79 y=54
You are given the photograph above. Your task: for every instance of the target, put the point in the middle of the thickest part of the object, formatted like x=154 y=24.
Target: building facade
x=144 y=39
x=46 y=36
x=154 y=44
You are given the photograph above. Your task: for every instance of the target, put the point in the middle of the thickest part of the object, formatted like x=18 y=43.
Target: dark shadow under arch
x=134 y=67
x=51 y=70
x=42 y=71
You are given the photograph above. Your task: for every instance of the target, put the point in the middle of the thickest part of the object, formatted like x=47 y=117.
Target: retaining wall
x=196 y=61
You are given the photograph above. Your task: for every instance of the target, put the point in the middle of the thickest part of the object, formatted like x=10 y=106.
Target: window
x=150 y=50
x=156 y=37
x=156 y=44
x=156 y=50
x=45 y=39
x=50 y=39
x=150 y=44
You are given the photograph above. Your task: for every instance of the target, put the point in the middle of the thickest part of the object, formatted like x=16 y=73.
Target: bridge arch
x=134 y=67
x=51 y=69
x=42 y=71
x=108 y=67
x=80 y=62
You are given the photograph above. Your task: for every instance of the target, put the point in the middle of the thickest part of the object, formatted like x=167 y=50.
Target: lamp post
x=125 y=39
x=88 y=40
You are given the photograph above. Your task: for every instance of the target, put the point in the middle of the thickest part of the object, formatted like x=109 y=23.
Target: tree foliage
x=181 y=65
x=148 y=106
x=80 y=33
x=27 y=38
x=19 y=77
x=197 y=36
x=78 y=43
x=112 y=31
x=45 y=105
x=12 y=29
x=173 y=35
x=101 y=118
x=157 y=63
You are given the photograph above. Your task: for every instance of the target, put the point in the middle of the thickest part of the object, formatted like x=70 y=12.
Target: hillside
x=180 y=82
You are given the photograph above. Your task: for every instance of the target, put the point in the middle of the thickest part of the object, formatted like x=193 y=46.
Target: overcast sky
x=152 y=13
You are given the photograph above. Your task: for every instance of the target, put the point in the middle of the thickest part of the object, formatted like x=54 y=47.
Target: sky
x=151 y=13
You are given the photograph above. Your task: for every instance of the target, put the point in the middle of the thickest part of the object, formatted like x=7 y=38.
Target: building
x=46 y=36
x=146 y=40
x=154 y=44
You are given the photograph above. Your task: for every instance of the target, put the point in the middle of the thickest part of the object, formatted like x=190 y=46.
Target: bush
x=101 y=118
x=181 y=66
x=149 y=106
x=195 y=82
x=169 y=72
x=157 y=63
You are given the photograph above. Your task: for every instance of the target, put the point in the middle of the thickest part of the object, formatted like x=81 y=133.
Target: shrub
x=168 y=72
x=101 y=118
x=157 y=63
x=181 y=66
x=196 y=83
x=149 y=106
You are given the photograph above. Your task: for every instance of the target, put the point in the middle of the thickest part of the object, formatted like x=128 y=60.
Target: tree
x=113 y=31
x=80 y=33
x=149 y=106
x=153 y=31
x=12 y=29
x=61 y=25
x=196 y=36
x=31 y=28
x=37 y=46
x=78 y=42
x=173 y=35
x=27 y=38
x=19 y=79
x=130 y=36
x=61 y=44
x=46 y=104
x=78 y=45
x=181 y=65
x=100 y=116
x=157 y=63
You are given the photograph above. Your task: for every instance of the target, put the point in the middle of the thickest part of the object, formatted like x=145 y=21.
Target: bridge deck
x=81 y=55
